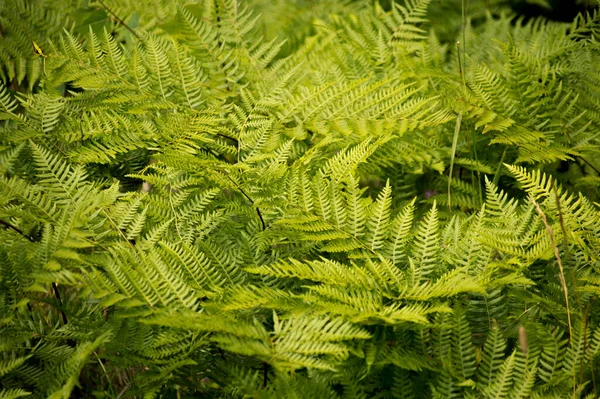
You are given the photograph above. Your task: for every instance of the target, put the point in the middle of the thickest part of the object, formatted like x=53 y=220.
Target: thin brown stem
x=265 y=374
x=228 y=137
x=566 y=244
x=563 y=283
x=595 y=169
x=119 y=20
x=15 y=229
x=262 y=221
x=60 y=303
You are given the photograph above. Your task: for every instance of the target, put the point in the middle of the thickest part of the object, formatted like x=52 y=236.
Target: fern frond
x=425 y=248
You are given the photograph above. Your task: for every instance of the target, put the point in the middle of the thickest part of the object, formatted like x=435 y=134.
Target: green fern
x=272 y=199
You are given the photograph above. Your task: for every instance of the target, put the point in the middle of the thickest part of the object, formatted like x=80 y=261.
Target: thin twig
x=15 y=229
x=590 y=165
x=265 y=374
x=125 y=388
x=119 y=20
x=60 y=303
x=262 y=221
x=566 y=244
x=560 y=265
x=228 y=137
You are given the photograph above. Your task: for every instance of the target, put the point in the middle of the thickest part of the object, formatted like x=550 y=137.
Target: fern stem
x=479 y=187
x=585 y=344
x=465 y=13
x=497 y=174
x=454 y=143
x=460 y=69
x=587 y=314
x=464 y=28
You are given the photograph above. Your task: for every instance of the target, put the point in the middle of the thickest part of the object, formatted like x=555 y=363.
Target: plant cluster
x=297 y=199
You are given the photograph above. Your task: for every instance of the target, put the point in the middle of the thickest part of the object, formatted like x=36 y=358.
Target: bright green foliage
x=322 y=201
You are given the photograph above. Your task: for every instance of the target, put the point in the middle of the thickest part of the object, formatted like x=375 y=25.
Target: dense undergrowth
x=277 y=199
